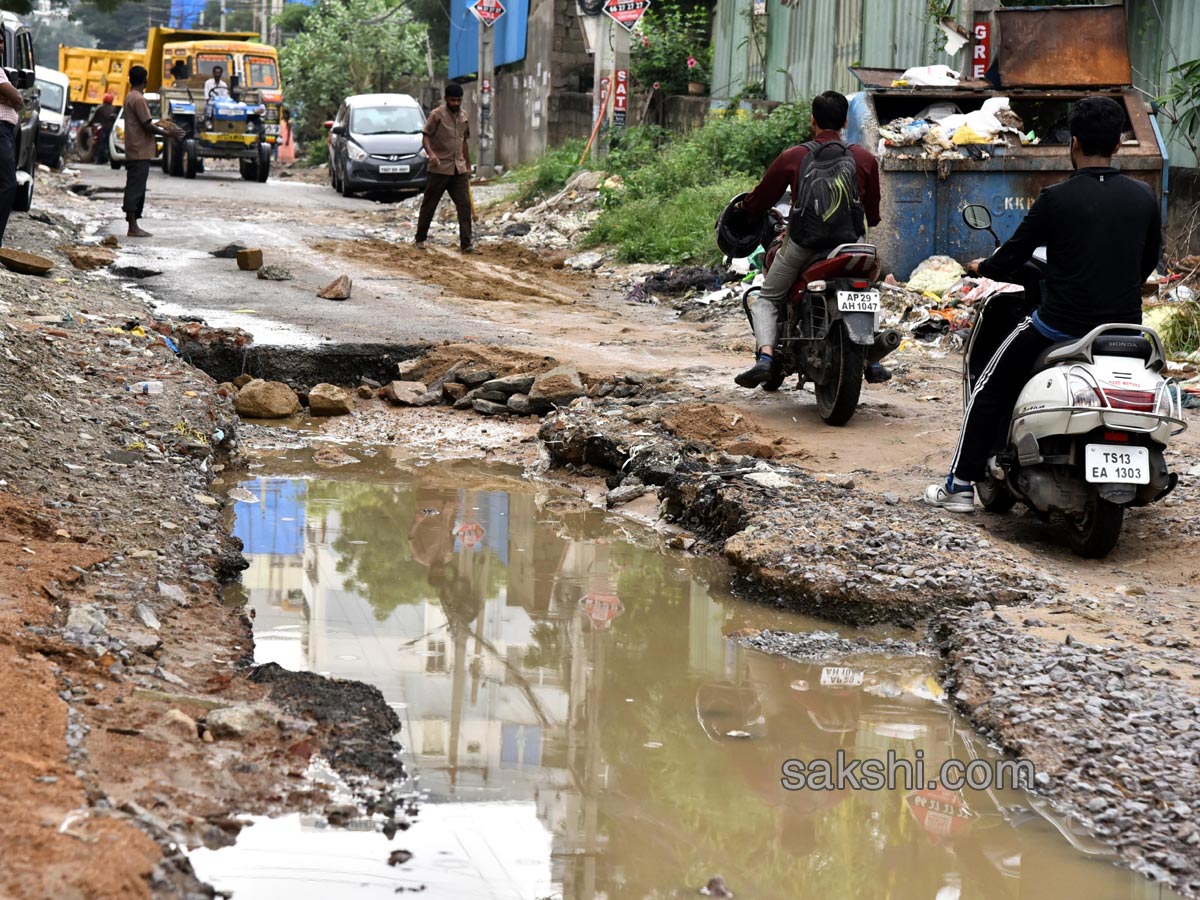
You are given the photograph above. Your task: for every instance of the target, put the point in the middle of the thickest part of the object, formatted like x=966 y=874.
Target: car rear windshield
x=52 y=95
x=386 y=120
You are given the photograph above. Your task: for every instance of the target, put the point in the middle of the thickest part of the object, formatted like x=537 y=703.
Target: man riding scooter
x=829 y=112
x=1103 y=235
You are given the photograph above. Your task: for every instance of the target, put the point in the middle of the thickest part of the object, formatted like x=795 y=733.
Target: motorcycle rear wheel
x=1095 y=533
x=993 y=496
x=838 y=392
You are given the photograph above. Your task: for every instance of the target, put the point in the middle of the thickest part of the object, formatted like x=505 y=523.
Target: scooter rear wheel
x=1095 y=533
x=993 y=496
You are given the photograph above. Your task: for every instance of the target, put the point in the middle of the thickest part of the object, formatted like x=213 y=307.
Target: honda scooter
x=1088 y=431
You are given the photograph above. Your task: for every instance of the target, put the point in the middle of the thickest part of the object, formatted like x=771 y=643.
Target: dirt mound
x=500 y=360
x=728 y=428
x=497 y=272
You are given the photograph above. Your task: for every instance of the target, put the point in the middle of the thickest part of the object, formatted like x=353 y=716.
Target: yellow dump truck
x=94 y=73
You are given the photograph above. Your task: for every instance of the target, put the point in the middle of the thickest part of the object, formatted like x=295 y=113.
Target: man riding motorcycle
x=104 y=117
x=1103 y=235
x=829 y=112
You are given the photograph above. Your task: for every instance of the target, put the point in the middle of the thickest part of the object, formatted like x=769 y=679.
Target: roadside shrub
x=676 y=229
x=548 y=174
x=671 y=47
x=318 y=152
x=674 y=184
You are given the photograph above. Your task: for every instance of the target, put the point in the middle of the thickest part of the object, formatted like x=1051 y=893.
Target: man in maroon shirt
x=828 y=119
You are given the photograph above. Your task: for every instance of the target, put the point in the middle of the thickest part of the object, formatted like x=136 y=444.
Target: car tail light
x=1135 y=401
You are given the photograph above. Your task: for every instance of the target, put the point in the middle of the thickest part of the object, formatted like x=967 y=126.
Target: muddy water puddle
x=579 y=725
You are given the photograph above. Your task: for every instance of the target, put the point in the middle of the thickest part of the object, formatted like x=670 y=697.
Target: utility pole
x=486 y=164
x=223 y=13
x=488 y=12
x=611 y=70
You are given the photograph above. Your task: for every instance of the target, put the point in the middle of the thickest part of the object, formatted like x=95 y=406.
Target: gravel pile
x=1115 y=743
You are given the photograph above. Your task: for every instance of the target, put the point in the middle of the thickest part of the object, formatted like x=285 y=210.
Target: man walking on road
x=140 y=132
x=446 y=133
x=10 y=103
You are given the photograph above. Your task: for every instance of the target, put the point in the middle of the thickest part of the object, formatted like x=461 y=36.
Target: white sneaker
x=962 y=501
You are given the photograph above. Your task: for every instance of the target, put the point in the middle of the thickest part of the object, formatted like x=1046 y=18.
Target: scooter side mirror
x=977 y=217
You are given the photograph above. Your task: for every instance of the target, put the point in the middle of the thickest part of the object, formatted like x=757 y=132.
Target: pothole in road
x=579 y=721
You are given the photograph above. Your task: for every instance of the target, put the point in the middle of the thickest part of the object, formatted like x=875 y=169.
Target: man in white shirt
x=10 y=102
x=215 y=86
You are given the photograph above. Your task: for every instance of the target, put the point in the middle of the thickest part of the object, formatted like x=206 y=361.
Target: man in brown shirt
x=140 y=148
x=446 y=132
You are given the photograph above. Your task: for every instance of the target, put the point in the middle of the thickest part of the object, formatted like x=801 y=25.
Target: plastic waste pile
x=942 y=130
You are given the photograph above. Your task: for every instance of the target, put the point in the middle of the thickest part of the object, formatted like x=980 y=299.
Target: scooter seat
x=1133 y=346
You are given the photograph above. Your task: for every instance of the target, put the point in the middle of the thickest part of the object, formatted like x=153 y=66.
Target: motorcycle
x=830 y=330
x=1087 y=434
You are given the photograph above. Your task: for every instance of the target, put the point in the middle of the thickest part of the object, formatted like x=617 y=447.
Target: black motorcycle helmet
x=739 y=232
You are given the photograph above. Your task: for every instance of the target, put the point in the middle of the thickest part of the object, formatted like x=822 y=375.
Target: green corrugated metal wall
x=1155 y=45
x=801 y=60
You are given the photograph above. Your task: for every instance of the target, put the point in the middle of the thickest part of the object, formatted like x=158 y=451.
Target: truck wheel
x=246 y=168
x=1095 y=533
x=173 y=154
x=264 y=164
x=191 y=158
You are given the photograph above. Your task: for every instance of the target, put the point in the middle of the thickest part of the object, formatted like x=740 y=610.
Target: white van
x=55 y=96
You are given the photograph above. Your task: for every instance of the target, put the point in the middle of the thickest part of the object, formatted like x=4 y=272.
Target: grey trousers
x=765 y=306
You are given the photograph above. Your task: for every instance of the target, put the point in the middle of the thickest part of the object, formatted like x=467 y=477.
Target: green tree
x=359 y=46
x=48 y=33
x=120 y=26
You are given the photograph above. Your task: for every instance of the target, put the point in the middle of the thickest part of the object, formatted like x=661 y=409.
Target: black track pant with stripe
x=989 y=411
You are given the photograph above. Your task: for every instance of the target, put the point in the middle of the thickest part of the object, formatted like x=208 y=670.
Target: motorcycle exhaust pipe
x=885 y=342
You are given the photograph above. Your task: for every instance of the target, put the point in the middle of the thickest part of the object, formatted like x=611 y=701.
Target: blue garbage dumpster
x=922 y=196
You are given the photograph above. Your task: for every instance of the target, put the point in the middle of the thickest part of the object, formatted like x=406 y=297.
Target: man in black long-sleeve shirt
x=1103 y=235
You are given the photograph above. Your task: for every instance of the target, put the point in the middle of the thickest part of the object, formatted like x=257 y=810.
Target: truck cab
x=16 y=55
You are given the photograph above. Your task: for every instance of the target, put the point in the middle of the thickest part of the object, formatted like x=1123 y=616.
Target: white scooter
x=1088 y=432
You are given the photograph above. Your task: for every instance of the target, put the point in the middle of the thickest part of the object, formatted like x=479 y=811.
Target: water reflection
x=545 y=665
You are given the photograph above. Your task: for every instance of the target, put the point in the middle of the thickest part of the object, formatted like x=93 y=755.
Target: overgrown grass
x=674 y=230
x=674 y=185
x=548 y=174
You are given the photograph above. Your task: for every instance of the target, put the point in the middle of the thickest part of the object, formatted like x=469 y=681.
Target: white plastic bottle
x=144 y=387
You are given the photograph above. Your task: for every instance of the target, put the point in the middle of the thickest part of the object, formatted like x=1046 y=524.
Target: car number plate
x=858 y=301
x=393 y=170
x=1112 y=464
x=840 y=676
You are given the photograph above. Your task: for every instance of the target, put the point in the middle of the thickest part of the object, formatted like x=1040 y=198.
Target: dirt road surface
x=515 y=301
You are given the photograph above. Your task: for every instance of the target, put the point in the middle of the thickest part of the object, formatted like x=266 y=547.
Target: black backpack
x=826 y=208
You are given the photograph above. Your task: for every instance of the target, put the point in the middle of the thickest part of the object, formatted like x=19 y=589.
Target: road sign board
x=626 y=13
x=488 y=11
x=601 y=609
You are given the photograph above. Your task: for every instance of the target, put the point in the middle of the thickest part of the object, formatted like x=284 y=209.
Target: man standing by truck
x=140 y=147
x=10 y=103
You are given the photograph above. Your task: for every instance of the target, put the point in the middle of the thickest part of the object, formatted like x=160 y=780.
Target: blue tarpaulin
x=464 y=36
